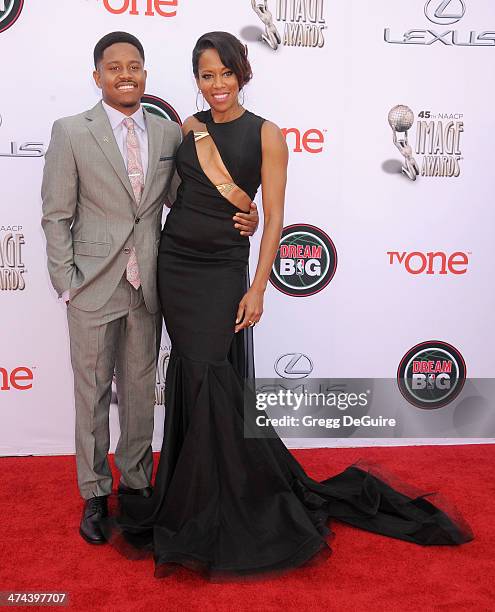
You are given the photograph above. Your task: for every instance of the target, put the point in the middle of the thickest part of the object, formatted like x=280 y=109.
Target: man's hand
x=247 y=223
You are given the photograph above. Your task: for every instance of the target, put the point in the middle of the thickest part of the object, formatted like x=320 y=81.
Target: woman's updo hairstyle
x=231 y=51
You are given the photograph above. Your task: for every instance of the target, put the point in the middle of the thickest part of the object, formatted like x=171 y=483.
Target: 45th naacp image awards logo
x=297 y=23
x=438 y=141
x=9 y=13
x=293 y=365
x=12 y=267
x=159 y=107
x=431 y=374
x=306 y=261
x=443 y=13
x=161 y=375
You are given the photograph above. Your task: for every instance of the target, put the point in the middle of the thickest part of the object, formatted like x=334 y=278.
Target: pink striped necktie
x=136 y=176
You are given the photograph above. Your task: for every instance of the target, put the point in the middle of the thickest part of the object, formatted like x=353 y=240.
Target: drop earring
x=197 y=105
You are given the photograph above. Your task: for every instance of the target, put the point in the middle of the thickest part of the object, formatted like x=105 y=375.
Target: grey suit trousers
x=122 y=336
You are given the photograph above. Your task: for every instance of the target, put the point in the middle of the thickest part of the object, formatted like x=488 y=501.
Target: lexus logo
x=294 y=365
x=445 y=12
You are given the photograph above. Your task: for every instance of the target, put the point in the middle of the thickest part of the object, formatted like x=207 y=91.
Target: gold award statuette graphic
x=271 y=35
x=401 y=119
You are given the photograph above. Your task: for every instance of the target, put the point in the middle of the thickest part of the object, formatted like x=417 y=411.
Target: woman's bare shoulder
x=191 y=124
x=272 y=137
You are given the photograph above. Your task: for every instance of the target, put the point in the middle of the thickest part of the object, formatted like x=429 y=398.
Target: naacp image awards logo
x=159 y=107
x=9 y=13
x=161 y=375
x=12 y=268
x=438 y=142
x=291 y=23
x=305 y=262
x=431 y=374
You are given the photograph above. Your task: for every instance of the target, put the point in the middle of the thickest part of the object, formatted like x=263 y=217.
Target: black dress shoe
x=125 y=490
x=95 y=509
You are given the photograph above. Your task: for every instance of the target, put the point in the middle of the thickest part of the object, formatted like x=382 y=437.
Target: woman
x=224 y=503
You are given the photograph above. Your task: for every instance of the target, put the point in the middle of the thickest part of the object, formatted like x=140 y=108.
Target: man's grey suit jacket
x=90 y=216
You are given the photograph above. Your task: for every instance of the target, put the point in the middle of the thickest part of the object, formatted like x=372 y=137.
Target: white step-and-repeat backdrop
x=388 y=246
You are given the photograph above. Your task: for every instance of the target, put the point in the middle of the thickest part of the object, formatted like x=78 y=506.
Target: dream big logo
x=159 y=107
x=306 y=261
x=9 y=13
x=431 y=374
x=438 y=142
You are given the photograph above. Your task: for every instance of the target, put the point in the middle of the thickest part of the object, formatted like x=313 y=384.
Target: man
x=105 y=181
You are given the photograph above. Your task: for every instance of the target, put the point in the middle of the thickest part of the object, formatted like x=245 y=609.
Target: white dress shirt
x=120 y=132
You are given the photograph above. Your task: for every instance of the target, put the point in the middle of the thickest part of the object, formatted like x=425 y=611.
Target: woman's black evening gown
x=223 y=503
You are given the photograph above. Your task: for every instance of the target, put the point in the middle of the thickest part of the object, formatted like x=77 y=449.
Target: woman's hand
x=247 y=223
x=250 y=309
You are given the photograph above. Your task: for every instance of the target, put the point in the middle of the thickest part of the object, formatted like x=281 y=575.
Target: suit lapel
x=99 y=126
x=154 y=128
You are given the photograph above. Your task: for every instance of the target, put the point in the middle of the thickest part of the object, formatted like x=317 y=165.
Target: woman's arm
x=273 y=182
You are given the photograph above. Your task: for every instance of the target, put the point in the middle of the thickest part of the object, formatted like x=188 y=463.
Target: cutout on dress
x=212 y=164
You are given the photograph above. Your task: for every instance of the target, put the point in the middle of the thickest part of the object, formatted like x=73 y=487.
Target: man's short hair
x=111 y=39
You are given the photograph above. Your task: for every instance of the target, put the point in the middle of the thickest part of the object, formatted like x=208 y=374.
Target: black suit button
x=127 y=250
x=137 y=220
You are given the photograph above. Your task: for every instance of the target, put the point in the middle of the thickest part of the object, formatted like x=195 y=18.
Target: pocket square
x=167 y=158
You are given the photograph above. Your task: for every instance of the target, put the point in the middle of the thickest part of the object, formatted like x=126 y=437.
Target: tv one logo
x=434 y=262
x=20 y=379
x=310 y=141
x=150 y=8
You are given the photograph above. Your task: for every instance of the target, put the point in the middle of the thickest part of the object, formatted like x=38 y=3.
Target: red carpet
x=42 y=551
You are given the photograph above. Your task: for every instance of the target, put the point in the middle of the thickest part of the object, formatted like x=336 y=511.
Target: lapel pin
x=105 y=139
